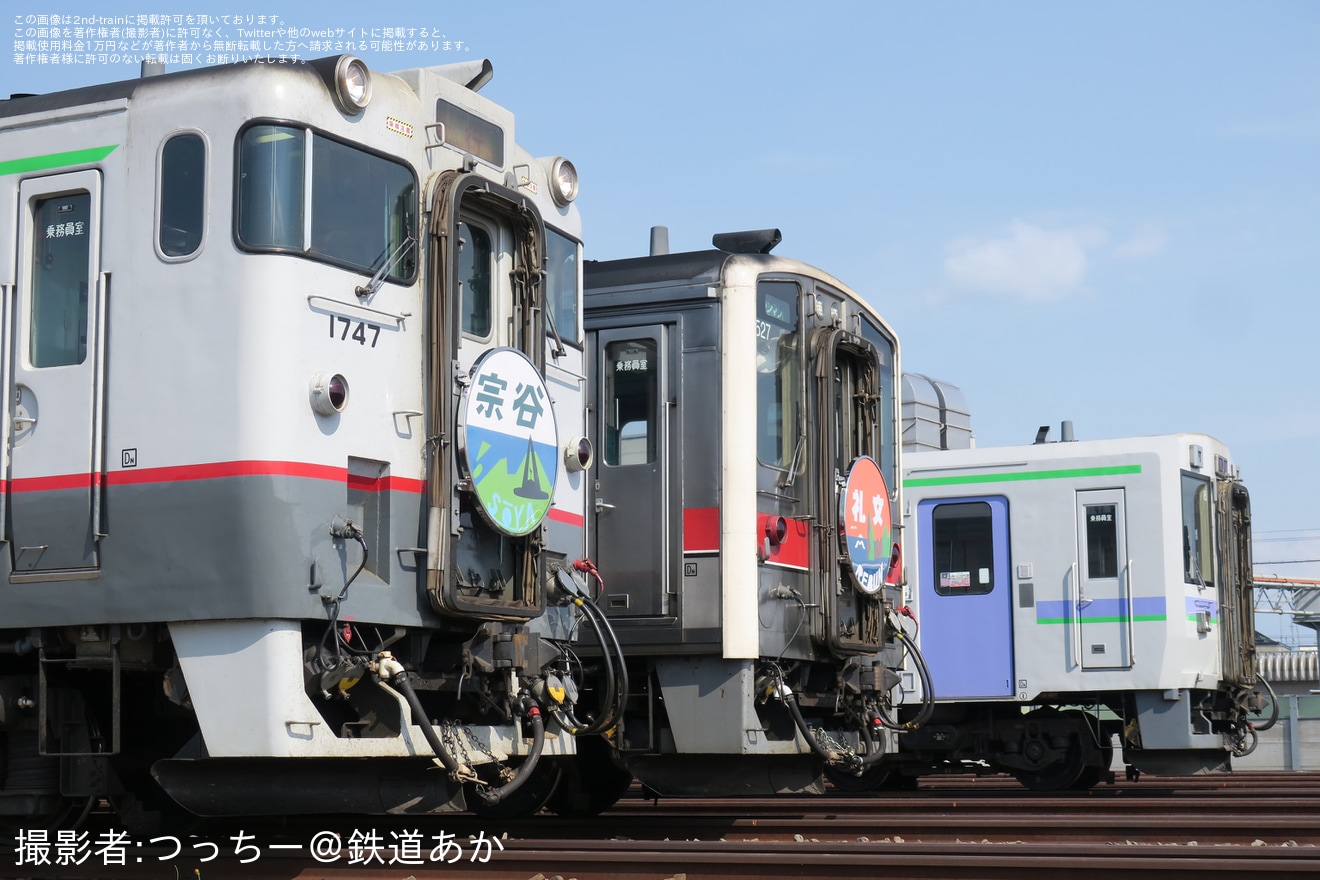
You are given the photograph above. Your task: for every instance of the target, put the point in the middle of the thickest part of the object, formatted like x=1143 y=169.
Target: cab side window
x=182 y=188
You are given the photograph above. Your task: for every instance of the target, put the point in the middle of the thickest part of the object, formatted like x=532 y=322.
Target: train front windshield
x=361 y=214
x=563 y=283
x=778 y=372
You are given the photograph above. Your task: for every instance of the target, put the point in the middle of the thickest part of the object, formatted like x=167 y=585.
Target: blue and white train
x=1075 y=597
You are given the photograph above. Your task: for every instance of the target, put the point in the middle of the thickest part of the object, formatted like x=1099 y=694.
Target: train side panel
x=1083 y=574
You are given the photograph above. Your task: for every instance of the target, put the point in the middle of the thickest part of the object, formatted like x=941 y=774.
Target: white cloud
x=1030 y=263
x=1146 y=242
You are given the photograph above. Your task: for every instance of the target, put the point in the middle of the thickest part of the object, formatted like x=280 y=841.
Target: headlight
x=329 y=393
x=578 y=455
x=352 y=84
x=563 y=181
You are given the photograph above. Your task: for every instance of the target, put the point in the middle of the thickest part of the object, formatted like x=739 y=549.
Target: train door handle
x=602 y=506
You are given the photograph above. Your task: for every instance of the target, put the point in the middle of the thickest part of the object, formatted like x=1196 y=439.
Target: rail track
x=1265 y=825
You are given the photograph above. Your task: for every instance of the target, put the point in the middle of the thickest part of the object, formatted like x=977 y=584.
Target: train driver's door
x=631 y=534
x=1104 y=592
x=56 y=386
x=965 y=596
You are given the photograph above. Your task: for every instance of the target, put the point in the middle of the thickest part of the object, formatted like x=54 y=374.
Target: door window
x=60 y=271
x=1101 y=541
x=475 y=261
x=964 y=549
x=631 y=387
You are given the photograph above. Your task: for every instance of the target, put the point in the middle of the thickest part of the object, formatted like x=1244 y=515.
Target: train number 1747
x=339 y=327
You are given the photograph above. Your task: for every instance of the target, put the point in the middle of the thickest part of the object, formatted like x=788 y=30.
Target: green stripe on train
x=1140 y=618
x=55 y=160
x=1063 y=474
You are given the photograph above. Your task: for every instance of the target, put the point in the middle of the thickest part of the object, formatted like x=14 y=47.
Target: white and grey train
x=295 y=444
x=1073 y=596
x=745 y=417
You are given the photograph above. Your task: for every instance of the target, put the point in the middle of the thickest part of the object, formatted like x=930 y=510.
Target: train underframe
x=705 y=727
x=1067 y=741
x=91 y=715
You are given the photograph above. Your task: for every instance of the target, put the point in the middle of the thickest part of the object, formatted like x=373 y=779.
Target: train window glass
x=562 y=284
x=475 y=261
x=888 y=444
x=631 y=390
x=964 y=551
x=778 y=372
x=61 y=266
x=1198 y=559
x=270 y=187
x=362 y=212
x=360 y=205
x=1101 y=540
x=182 y=195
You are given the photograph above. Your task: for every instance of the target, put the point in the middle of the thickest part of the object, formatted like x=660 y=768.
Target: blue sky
x=1107 y=212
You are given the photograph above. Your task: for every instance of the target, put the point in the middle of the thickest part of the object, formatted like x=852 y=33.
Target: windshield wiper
x=369 y=289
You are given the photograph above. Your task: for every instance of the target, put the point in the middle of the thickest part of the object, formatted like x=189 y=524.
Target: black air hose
x=1274 y=706
x=874 y=755
x=492 y=797
x=614 y=655
x=400 y=680
x=790 y=700
x=600 y=724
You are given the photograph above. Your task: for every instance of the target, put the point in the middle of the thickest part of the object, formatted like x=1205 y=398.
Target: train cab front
x=745 y=414
x=344 y=471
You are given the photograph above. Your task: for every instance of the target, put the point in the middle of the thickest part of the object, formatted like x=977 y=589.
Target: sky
x=1103 y=211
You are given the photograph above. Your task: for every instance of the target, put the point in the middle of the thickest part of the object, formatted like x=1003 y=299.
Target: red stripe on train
x=701 y=534
x=218 y=470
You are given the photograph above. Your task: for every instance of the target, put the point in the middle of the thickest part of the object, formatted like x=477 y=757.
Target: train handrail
x=9 y=291
x=1131 y=618
x=1076 y=588
x=98 y=406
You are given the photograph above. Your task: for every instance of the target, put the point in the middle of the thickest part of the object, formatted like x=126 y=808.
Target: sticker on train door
x=868 y=525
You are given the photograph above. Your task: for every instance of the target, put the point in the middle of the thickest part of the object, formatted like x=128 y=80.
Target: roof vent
x=659 y=240
x=753 y=241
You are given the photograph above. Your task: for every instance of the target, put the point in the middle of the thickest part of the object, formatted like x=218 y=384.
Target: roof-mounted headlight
x=563 y=181
x=352 y=84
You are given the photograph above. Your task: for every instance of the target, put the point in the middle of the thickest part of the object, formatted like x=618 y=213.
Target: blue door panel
x=966 y=635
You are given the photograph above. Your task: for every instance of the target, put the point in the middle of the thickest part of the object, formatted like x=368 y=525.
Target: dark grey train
x=742 y=519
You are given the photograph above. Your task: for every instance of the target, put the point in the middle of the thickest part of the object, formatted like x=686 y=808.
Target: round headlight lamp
x=563 y=181
x=352 y=84
x=578 y=455
x=329 y=393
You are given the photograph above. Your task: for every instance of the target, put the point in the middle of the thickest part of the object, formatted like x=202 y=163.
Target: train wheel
x=592 y=781
x=526 y=799
x=1074 y=772
x=1059 y=776
x=872 y=779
